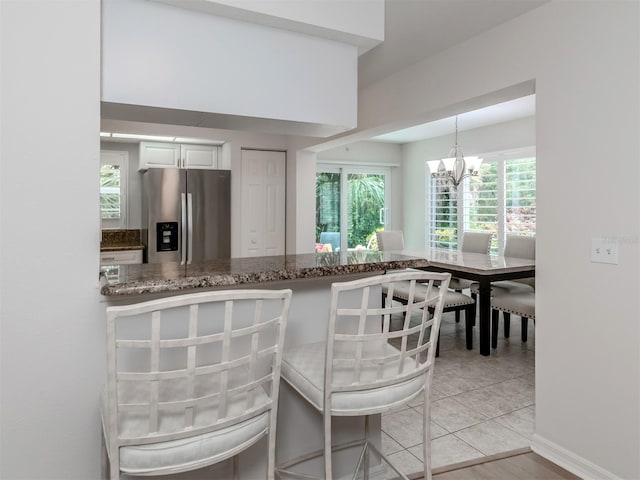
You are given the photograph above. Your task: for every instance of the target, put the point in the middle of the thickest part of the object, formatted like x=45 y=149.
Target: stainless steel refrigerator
x=186 y=215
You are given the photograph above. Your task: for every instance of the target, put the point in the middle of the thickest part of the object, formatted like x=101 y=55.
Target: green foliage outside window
x=110 y=191
x=365 y=199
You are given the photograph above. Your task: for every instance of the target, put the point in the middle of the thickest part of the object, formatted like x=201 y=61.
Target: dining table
x=481 y=268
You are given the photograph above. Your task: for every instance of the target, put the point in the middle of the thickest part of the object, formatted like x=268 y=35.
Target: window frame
x=462 y=192
x=345 y=169
x=120 y=158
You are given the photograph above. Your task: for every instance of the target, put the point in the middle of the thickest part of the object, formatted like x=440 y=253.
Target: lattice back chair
x=454 y=301
x=472 y=242
x=361 y=369
x=192 y=380
x=390 y=240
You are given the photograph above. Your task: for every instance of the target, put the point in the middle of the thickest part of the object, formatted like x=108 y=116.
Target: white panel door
x=263 y=203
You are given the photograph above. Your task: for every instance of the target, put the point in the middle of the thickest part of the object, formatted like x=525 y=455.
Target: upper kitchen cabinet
x=167 y=155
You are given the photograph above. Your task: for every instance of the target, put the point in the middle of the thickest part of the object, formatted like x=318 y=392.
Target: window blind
x=502 y=200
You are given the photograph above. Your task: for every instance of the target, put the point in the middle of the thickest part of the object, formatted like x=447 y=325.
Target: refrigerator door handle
x=190 y=227
x=183 y=249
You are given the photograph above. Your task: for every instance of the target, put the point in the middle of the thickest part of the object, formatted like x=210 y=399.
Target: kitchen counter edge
x=154 y=278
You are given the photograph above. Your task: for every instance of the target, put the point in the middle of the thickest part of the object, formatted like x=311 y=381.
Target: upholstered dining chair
x=390 y=240
x=192 y=380
x=521 y=303
x=519 y=246
x=453 y=301
x=472 y=242
x=362 y=370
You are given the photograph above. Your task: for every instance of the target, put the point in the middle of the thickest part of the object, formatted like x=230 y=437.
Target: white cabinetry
x=121 y=257
x=174 y=155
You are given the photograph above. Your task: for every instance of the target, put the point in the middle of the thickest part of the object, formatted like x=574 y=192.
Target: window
x=113 y=188
x=502 y=199
x=351 y=200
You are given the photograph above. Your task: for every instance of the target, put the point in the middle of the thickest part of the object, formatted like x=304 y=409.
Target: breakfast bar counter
x=128 y=280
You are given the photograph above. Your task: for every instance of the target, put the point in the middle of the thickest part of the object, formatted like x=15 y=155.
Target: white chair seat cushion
x=202 y=449
x=303 y=369
x=522 y=304
x=451 y=299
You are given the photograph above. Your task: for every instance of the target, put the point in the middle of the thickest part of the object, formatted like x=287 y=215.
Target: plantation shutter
x=501 y=200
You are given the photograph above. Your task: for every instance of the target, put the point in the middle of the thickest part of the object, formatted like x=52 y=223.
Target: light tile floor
x=480 y=405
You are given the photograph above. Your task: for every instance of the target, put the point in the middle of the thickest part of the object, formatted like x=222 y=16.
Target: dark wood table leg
x=484 y=300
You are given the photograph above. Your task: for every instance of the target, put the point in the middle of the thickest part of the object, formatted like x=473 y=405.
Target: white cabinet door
x=175 y=155
x=199 y=156
x=263 y=203
x=159 y=155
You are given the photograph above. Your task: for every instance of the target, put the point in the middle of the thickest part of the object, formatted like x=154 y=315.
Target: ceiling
x=501 y=112
x=417 y=29
x=414 y=30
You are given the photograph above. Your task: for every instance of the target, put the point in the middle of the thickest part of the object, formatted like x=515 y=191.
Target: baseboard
x=569 y=461
x=475 y=461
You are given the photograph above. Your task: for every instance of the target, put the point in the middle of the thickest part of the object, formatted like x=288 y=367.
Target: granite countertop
x=171 y=277
x=120 y=239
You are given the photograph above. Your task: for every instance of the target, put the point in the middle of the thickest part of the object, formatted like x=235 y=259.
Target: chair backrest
x=390 y=240
x=520 y=246
x=362 y=356
x=331 y=237
x=192 y=364
x=476 y=242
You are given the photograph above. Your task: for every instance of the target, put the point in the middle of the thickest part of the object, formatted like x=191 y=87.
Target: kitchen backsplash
x=117 y=238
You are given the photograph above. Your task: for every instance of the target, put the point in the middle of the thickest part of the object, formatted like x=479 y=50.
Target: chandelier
x=456 y=166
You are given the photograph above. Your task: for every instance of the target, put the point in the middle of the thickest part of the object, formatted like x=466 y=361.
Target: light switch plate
x=604 y=250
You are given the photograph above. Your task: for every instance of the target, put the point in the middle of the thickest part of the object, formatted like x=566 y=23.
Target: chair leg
x=495 y=315
x=469 y=316
x=328 y=473
x=366 y=447
x=426 y=431
x=507 y=324
x=438 y=346
x=457 y=316
x=271 y=454
x=475 y=303
x=506 y=316
x=234 y=468
x=524 y=321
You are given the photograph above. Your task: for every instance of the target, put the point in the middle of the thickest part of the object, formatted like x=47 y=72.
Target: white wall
x=51 y=323
x=350 y=21
x=163 y=56
x=502 y=136
x=584 y=57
